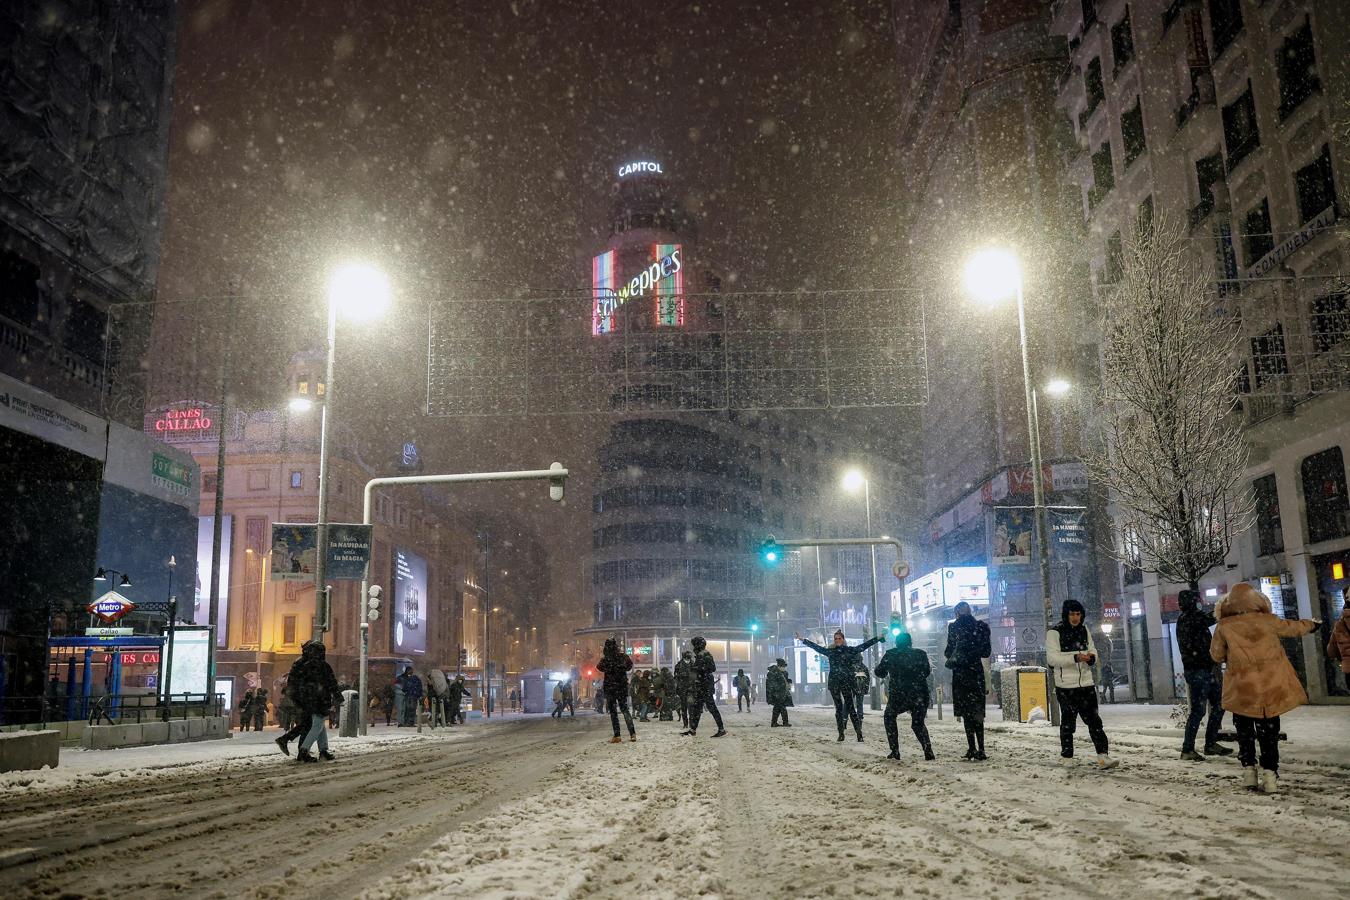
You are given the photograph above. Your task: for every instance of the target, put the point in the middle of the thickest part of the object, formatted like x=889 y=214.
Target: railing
x=106 y=709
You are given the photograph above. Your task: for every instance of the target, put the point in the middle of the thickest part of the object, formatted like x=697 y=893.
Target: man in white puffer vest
x=1072 y=657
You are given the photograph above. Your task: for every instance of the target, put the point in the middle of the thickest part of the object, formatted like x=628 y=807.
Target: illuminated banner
x=409 y=612
x=640 y=168
x=948 y=587
x=662 y=274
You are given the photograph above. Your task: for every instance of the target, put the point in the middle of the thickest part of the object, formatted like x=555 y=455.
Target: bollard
x=349 y=719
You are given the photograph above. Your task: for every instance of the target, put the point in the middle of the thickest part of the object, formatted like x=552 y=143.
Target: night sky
x=469 y=148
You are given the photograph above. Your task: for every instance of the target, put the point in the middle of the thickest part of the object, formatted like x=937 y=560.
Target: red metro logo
x=110 y=607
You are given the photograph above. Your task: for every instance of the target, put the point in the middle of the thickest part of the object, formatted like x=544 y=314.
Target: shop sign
x=110 y=607
x=1111 y=609
x=1320 y=222
x=170 y=474
x=140 y=658
x=190 y=419
x=108 y=632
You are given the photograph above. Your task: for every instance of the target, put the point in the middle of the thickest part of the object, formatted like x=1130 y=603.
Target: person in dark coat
x=742 y=685
x=1204 y=679
x=615 y=664
x=259 y=708
x=412 y=696
x=386 y=698
x=684 y=684
x=1071 y=655
x=906 y=669
x=457 y=691
x=843 y=661
x=778 y=691
x=703 y=694
x=314 y=688
x=862 y=685
x=246 y=710
x=967 y=648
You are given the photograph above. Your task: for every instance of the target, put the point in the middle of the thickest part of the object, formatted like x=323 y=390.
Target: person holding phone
x=1072 y=656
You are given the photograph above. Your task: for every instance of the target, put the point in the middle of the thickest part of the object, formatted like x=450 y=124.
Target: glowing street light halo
x=993 y=274
x=1058 y=387
x=359 y=291
x=853 y=481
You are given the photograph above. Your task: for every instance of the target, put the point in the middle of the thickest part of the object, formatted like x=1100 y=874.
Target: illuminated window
x=288 y=630
x=297 y=479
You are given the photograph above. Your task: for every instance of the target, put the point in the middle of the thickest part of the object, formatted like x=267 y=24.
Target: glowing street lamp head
x=359 y=292
x=300 y=404
x=993 y=275
x=854 y=480
x=1058 y=387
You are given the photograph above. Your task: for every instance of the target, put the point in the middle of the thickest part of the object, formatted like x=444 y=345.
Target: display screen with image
x=202 y=594
x=408 y=615
x=191 y=660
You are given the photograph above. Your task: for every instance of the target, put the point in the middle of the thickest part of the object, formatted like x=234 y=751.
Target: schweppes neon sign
x=664 y=276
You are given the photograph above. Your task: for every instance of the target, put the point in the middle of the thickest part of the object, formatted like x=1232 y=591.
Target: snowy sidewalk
x=790 y=812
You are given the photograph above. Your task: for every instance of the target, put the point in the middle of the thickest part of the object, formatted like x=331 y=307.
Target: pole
x=168 y=655
x=1037 y=485
x=323 y=613
x=872 y=549
x=218 y=509
x=487 y=662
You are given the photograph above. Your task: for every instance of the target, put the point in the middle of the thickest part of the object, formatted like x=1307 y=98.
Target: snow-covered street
x=530 y=807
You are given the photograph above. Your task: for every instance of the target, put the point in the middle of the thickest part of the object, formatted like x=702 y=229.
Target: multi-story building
x=683 y=500
x=1224 y=115
x=982 y=160
x=85 y=127
x=427 y=558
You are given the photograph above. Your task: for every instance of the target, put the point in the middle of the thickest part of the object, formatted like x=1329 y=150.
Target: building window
x=1115 y=255
x=1257 y=239
x=1330 y=321
x=1315 y=186
x=1132 y=131
x=86 y=330
x=1240 y=133
x=1268 y=356
x=1122 y=43
x=1089 y=8
x=288 y=630
x=297 y=479
x=776 y=487
x=1269 y=534
x=1324 y=496
x=18 y=288
x=1297 y=69
x=1225 y=21
x=1096 y=89
x=1208 y=171
x=209 y=481
x=259 y=479
x=1144 y=218
x=1103 y=175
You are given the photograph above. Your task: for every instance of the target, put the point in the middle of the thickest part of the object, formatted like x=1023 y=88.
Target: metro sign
x=111 y=607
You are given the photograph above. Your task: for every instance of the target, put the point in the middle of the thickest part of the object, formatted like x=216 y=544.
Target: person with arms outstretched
x=843 y=661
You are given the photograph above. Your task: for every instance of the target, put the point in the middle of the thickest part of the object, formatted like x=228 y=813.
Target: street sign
x=107 y=632
x=901 y=570
x=110 y=607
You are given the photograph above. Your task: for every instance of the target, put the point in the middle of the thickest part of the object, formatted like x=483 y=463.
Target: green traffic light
x=754 y=626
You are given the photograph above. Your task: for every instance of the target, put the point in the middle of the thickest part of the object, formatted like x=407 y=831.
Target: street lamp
x=102 y=575
x=992 y=275
x=361 y=293
x=854 y=480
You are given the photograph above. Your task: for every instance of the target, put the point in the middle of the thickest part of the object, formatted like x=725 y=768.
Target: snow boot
x=1218 y=750
x=324 y=754
x=632 y=737
x=928 y=754
x=860 y=737
x=686 y=734
x=970 y=754
x=721 y=732
x=305 y=756
x=894 y=754
x=1067 y=761
x=980 y=757
x=1270 y=782
x=285 y=748
x=1105 y=762
x=1192 y=756
x=841 y=736
x=1249 y=777
x=616 y=740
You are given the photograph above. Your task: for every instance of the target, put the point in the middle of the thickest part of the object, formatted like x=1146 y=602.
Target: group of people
x=410 y=694
x=689 y=689
x=253 y=709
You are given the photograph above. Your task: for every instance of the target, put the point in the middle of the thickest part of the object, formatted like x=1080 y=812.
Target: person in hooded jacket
x=1070 y=652
x=1204 y=680
x=778 y=691
x=684 y=684
x=704 y=669
x=906 y=669
x=1260 y=684
x=615 y=665
x=968 y=646
x=741 y=685
x=843 y=661
x=1338 y=645
x=457 y=691
x=314 y=688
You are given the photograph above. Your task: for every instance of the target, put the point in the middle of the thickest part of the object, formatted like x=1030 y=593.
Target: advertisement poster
x=1013 y=531
x=191 y=660
x=348 y=551
x=1069 y=528
x=293 y=552
x=948 y=587
x=409 y=611
x=201 y=613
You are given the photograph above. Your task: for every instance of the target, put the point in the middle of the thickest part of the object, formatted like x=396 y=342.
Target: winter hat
x=611 y=646
x=1072 y=605
x=687 y=655
x=904 y=640
x=783 y=662
x=699 y=643
x=1188 y=599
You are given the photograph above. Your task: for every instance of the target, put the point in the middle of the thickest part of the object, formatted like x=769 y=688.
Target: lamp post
x=854 y=479
x=172 y=627
x=362 y=292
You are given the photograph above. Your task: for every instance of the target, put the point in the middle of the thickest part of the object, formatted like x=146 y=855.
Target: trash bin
x=349 y=720
x=1023 y=688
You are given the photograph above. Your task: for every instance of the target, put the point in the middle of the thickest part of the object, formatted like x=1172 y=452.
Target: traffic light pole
x=557 y=478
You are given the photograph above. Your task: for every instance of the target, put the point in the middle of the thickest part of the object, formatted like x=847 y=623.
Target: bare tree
x=1173 y=455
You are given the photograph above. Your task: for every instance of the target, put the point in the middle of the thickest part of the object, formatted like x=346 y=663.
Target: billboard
x=659 y=273
x=949 y=586
x=1014 y=529
x=201 y=613
x=294 y=552
x=191 y=660
x=408 y=616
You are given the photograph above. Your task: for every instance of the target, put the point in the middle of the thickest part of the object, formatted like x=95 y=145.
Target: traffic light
x=770 y=553
x=897 y=627
x=373 y=603
x=754 y=628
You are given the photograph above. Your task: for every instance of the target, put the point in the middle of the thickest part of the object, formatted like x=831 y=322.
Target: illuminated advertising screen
x=201 y=613
x=657 y=274
x=191 y=660
x=948 y=587
x=408 y=615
